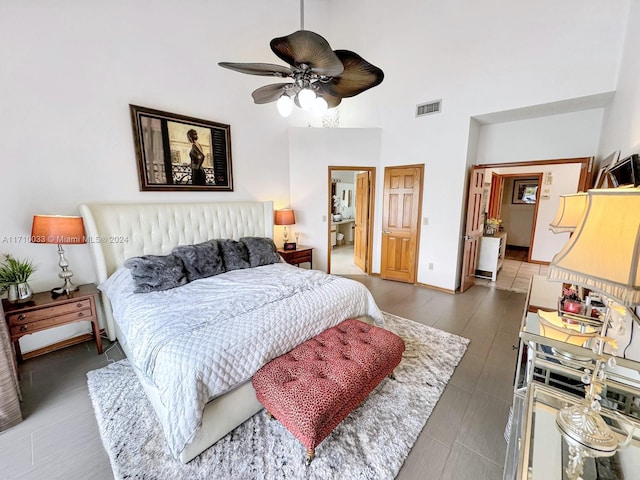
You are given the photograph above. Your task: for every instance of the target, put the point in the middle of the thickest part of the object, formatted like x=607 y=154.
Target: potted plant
x=14 y=274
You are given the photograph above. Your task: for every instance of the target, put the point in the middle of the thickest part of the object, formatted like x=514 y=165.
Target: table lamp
x=60 y=230
x=602 y=255
x=285 y=217
x=570 y=211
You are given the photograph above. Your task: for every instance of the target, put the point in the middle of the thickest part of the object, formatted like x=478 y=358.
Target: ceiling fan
x=322 y=77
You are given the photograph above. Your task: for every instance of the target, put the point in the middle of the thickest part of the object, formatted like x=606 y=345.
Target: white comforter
x=201 y=340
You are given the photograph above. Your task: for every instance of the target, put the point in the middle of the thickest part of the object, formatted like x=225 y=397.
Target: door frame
x=372 y=195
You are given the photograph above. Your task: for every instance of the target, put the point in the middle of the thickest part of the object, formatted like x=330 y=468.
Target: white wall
x=312 y=151
x=479 y=57
x=68 y=75
x=621 y=128
x=569 y=135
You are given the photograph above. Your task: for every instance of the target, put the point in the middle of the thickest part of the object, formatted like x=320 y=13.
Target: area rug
x=371 y=443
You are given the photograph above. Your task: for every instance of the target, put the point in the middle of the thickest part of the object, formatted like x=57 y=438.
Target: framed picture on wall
x=179 y=153
x=525 y=191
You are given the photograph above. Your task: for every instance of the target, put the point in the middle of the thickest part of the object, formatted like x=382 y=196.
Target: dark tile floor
x=463 y=438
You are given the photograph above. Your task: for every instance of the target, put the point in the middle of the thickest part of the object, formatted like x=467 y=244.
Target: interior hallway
x=515 y=273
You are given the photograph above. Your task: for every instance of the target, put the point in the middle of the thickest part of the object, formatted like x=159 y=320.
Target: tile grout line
x=479 y=454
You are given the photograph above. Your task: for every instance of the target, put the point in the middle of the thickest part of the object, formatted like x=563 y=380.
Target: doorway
x=514 y=199
x=350 y=220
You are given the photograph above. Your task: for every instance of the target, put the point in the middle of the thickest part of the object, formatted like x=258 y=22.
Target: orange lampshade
x=57 y=229
x=285 y=217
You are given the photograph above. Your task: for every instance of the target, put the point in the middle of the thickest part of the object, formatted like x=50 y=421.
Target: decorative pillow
x=153 y=273
x=200 y=260
x=234 y=254
x=262 y=251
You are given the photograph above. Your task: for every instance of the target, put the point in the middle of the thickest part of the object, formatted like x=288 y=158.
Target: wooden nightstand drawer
x=19 y=330
x=44 y=313
x=298 y=256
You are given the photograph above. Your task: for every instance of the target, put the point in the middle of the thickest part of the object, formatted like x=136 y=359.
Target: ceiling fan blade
x=264 y=69
x=270 y=93
x=358 y=76
x=309 y=48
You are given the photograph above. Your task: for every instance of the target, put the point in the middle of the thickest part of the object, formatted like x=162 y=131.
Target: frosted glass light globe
x=306 y=97
x=285 y=105
x=320 y=106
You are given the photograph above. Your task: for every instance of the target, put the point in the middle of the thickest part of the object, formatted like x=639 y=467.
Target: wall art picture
x=525 y=191
x=179 y=153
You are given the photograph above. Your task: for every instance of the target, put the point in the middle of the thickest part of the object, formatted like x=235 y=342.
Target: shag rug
x=371 y=443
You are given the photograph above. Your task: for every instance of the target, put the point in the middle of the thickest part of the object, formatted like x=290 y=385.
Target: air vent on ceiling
x=435 y=106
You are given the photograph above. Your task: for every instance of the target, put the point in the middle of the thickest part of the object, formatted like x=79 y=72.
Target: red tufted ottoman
x=311 y=389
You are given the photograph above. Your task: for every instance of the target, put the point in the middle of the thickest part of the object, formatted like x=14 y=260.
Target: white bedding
x=201 y=340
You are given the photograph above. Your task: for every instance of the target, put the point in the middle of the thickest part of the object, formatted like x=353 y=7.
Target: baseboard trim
x=433 y=287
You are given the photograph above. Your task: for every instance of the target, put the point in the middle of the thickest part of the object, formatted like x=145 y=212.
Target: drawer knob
x=79 y=305
x=21 y=317
x=23 y=328
x=80 y=314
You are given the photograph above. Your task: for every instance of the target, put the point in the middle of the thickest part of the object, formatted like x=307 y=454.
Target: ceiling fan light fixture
x=306 y=98
x=285 y=105
x=320 y=106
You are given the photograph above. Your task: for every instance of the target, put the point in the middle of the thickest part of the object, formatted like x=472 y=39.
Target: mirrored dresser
x=549 y=377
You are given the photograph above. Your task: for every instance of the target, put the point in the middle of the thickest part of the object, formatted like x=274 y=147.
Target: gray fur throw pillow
x=262 y=251
x=200 y=260
x=234 y=254
x=153 y=273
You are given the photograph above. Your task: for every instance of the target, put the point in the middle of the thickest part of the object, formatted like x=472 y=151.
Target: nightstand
x=43 y=312
x=298 y=256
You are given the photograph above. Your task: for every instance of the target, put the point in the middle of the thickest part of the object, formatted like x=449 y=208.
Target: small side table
x=298 y=256
x=43 y=312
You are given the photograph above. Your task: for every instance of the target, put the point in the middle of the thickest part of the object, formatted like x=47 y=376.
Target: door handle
x=386 y=232
x=468 y=237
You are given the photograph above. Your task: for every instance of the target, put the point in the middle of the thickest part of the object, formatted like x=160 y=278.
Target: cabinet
x=43 y=312
x=548 y=377
x=491 y=255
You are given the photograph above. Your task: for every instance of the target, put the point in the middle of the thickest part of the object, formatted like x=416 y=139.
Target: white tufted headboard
x=116 y=232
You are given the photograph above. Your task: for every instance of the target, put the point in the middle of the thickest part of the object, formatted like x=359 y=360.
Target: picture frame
x=181 y=153
x=525 y=191
x=290 y=246
x=625 y=172
x=602 y=178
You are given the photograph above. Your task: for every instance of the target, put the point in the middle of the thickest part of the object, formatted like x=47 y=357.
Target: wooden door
x=361 y=230
x=495 y=198
x=473 y=229
x=400 y=222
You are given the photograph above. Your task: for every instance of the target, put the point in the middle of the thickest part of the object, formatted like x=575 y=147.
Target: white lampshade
x=320 y=106
x=306 y=97
x=285 y=105
x=570 y=211
x=604 y=251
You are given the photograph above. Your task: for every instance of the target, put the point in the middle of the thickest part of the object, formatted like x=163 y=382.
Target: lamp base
x=67 y=289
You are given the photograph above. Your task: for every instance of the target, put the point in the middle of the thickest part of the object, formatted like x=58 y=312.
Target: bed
x=301 y=304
